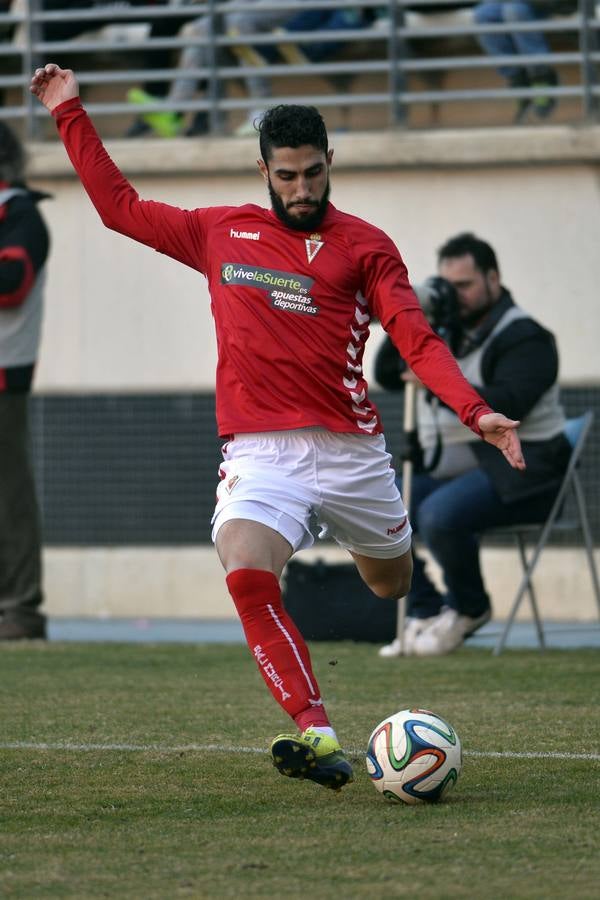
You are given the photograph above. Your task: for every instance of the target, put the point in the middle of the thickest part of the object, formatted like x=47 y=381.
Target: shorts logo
x=398 y=528
x=232 y=483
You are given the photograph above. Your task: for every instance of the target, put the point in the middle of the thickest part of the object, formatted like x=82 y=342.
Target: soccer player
x=293 y=290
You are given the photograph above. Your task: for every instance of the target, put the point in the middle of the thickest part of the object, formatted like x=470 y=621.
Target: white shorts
x=292 y=481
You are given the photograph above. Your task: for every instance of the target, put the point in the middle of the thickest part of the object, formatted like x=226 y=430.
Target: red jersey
x=291 y=308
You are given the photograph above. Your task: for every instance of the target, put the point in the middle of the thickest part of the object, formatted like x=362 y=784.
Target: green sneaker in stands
x=544 y=105
x=165 y=124
x=312 y=755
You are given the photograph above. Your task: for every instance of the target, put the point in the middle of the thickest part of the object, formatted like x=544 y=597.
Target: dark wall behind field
x=141 y=469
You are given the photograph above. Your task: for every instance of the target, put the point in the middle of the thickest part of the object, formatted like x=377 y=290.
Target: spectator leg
x=492 y=12
x=450 y=522
x=194 y=56
x=248 y=22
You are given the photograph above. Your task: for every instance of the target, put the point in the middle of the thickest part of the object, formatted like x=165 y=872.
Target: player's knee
x=403 y=586
x=393 y=586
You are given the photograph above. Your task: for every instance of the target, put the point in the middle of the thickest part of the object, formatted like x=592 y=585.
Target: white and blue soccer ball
x=414 y=756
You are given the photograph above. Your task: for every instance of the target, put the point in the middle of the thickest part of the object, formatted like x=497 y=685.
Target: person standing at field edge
x=24 y=244
x=293 y=289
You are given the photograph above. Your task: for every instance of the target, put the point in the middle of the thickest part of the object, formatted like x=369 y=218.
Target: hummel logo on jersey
x=245 y=235
x=313 y=245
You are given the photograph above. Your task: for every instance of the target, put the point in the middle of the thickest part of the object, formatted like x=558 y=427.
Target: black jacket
x=24 y=246
x=518 y=366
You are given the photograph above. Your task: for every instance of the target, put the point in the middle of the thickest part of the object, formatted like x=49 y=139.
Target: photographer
x=458 y=489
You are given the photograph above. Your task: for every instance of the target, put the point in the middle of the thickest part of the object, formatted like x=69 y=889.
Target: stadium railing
x=403 y=48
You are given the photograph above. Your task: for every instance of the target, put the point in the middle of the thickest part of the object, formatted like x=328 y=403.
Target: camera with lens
x=439 y=301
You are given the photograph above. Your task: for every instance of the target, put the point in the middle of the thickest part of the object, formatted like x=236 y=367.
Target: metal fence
x=410 y=51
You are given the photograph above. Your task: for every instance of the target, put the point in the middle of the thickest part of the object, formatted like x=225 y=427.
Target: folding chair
x=577 y=431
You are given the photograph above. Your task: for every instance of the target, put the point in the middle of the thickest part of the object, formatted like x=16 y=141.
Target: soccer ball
x=414 y=756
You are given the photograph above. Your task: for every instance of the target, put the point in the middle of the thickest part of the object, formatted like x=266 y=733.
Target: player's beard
x=307 y=222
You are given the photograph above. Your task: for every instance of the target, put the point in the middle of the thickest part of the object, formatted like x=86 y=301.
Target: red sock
x=277 y=646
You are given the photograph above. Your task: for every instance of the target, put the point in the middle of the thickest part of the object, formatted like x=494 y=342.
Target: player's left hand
x=501 y=432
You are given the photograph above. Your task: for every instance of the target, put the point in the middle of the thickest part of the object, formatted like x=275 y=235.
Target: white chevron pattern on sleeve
x=368 y=426
x=364 y=414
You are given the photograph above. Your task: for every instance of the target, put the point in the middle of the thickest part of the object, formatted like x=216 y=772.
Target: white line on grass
x=542 y=754
x=224 y=748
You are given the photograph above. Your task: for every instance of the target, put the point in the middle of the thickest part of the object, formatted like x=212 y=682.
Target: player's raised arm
x=173 y=231
x=53 y=85
x=114 y=198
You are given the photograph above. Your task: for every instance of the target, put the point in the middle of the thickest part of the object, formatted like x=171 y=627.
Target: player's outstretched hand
x=53 y=85
x=501 y=432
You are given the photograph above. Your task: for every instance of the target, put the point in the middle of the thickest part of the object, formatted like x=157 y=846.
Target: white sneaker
x=447 y=632
x=246 y=129
x=412 y=628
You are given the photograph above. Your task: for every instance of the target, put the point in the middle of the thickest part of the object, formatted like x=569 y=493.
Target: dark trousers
x=448 y=516
x=20 y=535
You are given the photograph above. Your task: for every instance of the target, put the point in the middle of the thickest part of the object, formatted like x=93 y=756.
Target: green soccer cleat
x=312 y=755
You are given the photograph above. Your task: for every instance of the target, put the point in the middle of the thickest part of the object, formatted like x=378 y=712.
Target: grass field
x=141 y=771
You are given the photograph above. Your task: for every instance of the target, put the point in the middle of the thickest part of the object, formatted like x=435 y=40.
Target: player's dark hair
x=288 y=125
x=467 y=243
x=12 y=156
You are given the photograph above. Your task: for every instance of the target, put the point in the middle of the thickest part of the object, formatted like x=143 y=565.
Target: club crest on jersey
x=313 y=245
